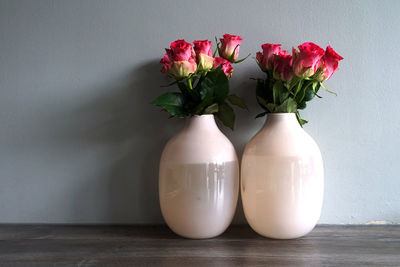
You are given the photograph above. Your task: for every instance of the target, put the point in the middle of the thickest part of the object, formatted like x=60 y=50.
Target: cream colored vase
x=199 y=180
x=282 y=179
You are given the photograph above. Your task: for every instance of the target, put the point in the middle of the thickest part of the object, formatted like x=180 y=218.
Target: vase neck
x=201 y=123
x=287 y=120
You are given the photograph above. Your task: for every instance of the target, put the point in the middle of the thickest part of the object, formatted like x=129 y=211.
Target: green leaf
x=300 y=95
x=221 y=89
x=242 y=59
x=309 y=93
x=192 y=95
x=298 y=86
x=169 y=99
x=279 y=92
x=171 y=102
x=302 y=105
x=269 y=107
x=260 y=91
x=291 y=105
x=288 y=106
x=300 y=120
x=326 y=89
x=212 y=88
x=217 y=83
x=226 y=115
x=262 y=102
x=272 y=107
x=306 y=94
x=175 y=111
x=303 y=92
x=182 y=86
x=211 y=109
x=207 y=99
x=262 y=94
x=237 y=101
x=294 y=82
x=261 y=114
x=315 y=90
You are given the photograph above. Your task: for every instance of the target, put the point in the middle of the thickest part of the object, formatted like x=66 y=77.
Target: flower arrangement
x=202 y=78
x=293 y=80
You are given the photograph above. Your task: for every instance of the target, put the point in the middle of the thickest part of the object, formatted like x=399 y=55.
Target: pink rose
x=283 y=67
x=180 y=60
x=266 y=58
x=203 y=51
x=203 y=47
x=180 y=51
x=226 y=67
x=230 y=45
x=329 y=64
x=306 y=62
x=166 y=64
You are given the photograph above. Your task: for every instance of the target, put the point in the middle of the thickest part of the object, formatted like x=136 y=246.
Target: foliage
x=208 y=93
x=293 y=80
x=276 y=96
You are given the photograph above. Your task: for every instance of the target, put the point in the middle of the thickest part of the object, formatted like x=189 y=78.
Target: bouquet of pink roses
x=202 y=79
x=293 y=80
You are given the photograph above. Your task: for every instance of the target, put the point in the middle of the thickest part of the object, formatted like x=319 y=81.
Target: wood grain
x=45 y=245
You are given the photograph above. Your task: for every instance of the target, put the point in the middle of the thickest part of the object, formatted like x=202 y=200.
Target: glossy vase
x=199 y=180
x=282 y=179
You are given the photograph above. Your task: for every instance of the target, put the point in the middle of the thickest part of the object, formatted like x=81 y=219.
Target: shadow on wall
x=138 y=131
x=122 y=135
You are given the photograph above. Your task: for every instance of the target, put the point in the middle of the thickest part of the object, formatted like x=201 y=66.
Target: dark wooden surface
x=43 y=245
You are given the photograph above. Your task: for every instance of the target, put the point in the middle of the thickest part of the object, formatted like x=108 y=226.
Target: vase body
x=282 y=179
x=199 y=180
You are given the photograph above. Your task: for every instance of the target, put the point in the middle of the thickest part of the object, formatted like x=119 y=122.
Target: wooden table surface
x=44 y=245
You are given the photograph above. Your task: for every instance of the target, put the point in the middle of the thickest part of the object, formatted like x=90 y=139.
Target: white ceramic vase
x=199 y=180
x=282 y=179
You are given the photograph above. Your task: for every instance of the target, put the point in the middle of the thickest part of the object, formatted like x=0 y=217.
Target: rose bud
x=283 y=67
x=266 y=58
x=306 y=62
x=180 y=60
x=230 y=45
x=226 y=66
x=203 y=51
x=329 y=64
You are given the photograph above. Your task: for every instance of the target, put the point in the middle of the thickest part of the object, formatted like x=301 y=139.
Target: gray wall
x=80 y=143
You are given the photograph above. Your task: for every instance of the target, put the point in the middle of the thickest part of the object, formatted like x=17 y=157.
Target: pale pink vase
x=282 y=179
x=199 y=180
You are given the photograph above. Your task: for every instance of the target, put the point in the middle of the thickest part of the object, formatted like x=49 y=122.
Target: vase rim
x=202 y=115
x=281 y=113
x=280 y=117
x=200 y=118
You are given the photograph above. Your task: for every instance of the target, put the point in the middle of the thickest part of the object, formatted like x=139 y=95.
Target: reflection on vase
x=199 y=180
x=282 y=179
x=198 y=197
